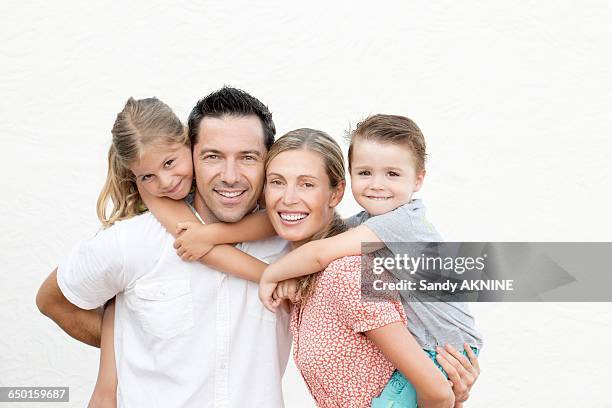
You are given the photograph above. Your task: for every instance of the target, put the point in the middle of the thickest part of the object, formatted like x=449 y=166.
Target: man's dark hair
x=231 y=102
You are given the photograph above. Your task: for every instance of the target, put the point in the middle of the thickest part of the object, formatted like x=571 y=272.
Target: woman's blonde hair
x=141 y=123
x=326 y=147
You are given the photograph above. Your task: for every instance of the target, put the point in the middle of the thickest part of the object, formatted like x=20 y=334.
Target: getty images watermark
x=487 y=271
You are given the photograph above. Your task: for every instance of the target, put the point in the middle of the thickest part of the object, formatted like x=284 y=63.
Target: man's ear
x=337 y=194
x=419 y=180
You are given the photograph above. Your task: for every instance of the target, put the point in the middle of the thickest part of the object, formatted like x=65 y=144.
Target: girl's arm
x=223 y=257
x=105 y=392
x=402 y=350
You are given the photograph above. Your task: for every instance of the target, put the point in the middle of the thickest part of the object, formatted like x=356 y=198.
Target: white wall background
x=514 y=99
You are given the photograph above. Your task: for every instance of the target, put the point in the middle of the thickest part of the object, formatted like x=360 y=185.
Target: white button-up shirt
x=185 y=335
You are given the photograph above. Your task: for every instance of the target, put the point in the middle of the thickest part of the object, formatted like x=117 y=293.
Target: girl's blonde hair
x=322 y=144
x=141 y=123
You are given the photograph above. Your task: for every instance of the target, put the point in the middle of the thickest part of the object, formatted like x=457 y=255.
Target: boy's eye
x=393 y=174
x=169 y=163
x=364 y=173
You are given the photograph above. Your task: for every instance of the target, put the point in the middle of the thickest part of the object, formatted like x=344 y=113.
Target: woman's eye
x=275 y=182
x=308 y=185
x=169 y=163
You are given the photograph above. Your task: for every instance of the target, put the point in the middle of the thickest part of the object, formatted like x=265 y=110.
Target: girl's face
x=165 y=170
x=299 y=199
x=383 y=176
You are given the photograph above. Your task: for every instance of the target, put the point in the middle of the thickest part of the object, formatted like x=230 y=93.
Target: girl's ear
x=419 y=180
x=337 y=194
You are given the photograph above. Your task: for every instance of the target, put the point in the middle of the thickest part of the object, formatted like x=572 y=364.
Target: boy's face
x=383 y=176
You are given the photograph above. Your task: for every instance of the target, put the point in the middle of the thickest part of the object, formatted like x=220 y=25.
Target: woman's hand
x=192 y=242
x=462 y=373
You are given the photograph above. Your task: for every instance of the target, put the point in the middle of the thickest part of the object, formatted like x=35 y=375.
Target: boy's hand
x=287 y=289
x=192 y=242
x=266 y=293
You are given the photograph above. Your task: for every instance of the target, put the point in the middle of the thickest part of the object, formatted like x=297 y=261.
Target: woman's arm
x=223 y=257
x=105 y=392
x=402 y=350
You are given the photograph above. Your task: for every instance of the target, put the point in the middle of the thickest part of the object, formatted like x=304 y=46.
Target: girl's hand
x=192 y=242
x=462 y=373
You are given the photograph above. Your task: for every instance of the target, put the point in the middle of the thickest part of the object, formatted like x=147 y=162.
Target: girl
x=150 y=157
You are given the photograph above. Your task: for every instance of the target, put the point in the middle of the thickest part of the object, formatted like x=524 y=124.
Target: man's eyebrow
x=255 y=152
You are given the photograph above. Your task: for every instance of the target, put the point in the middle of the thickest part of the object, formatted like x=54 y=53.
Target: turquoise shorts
x=399 y=392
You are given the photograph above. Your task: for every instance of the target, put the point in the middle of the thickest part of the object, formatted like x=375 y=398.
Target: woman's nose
x=290 y=196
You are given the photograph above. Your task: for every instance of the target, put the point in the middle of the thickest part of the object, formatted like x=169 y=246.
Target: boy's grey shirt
x=432 y=323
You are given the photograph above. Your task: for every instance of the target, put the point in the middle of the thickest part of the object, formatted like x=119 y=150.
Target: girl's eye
x=393 y=174
x=145 y=178
x=169 y=163
x=364 y=173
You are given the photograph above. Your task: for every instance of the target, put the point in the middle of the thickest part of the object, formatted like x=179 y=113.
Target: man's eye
x=211 y=157
x=249 y=158
x=169 y=163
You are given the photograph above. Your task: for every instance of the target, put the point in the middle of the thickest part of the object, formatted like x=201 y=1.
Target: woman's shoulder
x=345 y=270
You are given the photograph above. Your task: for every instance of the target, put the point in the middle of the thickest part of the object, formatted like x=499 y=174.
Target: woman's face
x=299 y=199
x=165 y=171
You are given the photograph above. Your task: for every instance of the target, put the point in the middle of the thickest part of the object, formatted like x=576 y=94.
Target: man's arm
x=83 y=325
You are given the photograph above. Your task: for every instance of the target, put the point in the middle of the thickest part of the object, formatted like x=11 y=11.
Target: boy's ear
x=337 y=194
x=419 y=180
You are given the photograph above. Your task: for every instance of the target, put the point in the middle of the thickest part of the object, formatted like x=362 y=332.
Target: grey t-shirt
x=432 y=323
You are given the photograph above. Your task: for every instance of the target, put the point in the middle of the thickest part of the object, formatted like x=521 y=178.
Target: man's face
x=228 y=163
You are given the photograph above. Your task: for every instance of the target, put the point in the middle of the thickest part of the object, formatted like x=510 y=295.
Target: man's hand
x=462 y=373
x=192 y=242
x=83 y=325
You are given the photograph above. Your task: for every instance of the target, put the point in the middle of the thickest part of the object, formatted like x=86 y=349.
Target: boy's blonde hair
x=141 y=123
x=392 y=129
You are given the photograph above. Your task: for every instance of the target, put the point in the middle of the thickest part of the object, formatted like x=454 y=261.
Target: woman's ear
x=337 y=194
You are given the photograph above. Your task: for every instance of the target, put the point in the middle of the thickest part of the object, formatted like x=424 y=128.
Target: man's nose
x=230 y=173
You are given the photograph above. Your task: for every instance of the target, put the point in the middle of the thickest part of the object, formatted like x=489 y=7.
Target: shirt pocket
x=165 y=308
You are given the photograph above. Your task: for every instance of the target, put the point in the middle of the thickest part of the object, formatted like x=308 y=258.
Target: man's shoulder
x=142 y=225
x=267 y=250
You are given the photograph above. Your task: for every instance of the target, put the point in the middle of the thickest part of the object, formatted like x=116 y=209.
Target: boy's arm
x=402 y=350
x=314 y=256
x=223 y=257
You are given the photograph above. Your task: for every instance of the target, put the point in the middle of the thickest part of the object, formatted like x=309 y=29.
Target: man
x=186 y=335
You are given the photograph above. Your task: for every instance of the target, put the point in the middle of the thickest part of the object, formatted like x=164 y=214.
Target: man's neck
x=207 y=216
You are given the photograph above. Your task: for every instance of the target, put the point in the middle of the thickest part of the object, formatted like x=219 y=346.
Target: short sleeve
x=93 y=271
x=356 y=220
x=345 y=281
x=406 y=223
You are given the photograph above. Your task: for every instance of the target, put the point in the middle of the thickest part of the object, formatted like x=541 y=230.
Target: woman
x=345 y=349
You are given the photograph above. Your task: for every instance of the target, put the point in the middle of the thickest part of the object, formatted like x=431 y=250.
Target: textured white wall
x=514 y=99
